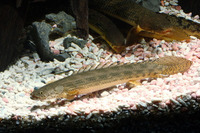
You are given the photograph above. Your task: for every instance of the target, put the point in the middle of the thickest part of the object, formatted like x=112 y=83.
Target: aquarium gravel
x=176 y=93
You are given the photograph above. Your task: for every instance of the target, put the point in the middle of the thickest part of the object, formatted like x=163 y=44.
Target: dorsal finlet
x=112 y=64
x=98 y=66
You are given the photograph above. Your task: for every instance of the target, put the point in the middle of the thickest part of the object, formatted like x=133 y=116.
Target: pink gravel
x=5 y=100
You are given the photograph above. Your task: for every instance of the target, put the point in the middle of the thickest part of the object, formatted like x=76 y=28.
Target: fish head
x=47 y=92
x=174 y=33
x=168 y=34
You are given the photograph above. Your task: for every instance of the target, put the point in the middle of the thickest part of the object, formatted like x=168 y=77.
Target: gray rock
x=64 y=22
x=40 y=36
x=62 y=57
x=153 y=5
x=67 y=42
x=42 y=32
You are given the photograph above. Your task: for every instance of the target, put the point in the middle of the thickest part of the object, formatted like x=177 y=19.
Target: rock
x=153 y=5
x=64 y=22
x=67 y=42
x=62 y=57
x=42 y=32
x=40 y=36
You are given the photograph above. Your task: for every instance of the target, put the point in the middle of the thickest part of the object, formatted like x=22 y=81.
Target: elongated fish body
x=147 y=23
x=107 y=29
x=109 y=75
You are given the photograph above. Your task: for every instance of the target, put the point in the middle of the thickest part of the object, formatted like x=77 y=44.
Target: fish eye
x=41 y=92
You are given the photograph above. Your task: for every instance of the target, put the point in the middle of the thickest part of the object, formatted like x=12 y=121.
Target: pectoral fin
x=133 y=35
x=69 y=94
x=133 y=83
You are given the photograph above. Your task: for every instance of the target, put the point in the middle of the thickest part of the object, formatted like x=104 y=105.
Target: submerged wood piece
x=11 y=26
x=80 y=9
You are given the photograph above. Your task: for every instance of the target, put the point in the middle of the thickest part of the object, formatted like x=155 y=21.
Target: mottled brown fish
x=101 y=77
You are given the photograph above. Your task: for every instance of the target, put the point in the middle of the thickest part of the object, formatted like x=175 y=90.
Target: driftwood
x=80 y=10
x=11 y=25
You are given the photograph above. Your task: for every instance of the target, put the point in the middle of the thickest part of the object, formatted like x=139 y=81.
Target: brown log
x=80 y=10
x=11 y=25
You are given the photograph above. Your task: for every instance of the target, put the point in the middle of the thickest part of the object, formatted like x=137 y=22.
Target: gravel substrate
x=156 y=97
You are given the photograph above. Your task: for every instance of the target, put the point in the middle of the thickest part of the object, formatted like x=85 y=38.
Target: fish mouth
x=33 y=97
